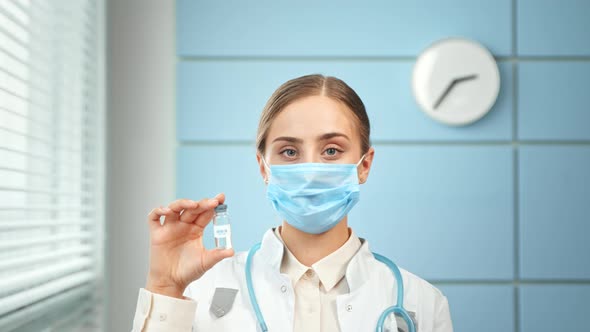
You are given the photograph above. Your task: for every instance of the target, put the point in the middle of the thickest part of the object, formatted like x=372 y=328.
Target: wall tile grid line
x=496 y=214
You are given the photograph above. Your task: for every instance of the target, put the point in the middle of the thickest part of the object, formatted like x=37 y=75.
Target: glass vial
x=222 y=228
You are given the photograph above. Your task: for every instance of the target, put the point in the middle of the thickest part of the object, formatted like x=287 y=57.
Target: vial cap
x=221 y=208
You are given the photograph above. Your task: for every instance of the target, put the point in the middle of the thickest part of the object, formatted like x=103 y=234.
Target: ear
x=262 y=167
x=365 y=166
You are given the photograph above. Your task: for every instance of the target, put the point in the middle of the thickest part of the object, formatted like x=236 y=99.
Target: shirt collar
x=357 y=271
x=330 y=269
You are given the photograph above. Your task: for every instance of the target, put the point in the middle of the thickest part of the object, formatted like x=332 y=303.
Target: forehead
x=313 y=116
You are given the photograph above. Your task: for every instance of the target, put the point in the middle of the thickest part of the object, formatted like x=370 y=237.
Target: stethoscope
x=398 y=308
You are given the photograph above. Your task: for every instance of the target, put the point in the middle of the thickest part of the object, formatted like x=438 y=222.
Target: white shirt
x=371 y=289
x=317 y=287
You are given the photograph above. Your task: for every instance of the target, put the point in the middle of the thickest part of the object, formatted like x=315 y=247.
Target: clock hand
x=445 y=93
x=466 y=78
x=451 y=86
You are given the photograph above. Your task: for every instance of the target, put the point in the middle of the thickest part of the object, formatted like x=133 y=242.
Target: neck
x=310 y=248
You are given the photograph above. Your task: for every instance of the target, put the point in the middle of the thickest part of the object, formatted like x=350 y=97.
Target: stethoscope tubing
x=250 y=286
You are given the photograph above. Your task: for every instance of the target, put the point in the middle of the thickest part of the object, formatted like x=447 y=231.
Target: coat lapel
x=373 y=288
x=274 y=291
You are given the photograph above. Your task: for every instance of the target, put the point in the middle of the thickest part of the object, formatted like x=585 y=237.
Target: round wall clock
x=456 y=81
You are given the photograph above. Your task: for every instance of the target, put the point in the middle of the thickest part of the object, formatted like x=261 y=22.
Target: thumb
x=212 y=257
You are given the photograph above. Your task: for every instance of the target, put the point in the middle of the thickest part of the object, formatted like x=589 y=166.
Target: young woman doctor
x=312 y=273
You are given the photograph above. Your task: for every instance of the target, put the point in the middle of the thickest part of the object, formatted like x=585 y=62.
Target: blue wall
x=497 y=214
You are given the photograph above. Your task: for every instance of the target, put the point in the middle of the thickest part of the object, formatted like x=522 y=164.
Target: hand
x=177 y=254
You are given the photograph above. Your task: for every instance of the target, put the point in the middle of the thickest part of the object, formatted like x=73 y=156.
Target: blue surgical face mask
x=313 y=197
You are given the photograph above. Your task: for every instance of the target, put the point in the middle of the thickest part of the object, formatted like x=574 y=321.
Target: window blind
x=51 y=163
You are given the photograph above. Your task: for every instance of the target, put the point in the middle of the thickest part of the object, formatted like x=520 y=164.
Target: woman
x=312 y=273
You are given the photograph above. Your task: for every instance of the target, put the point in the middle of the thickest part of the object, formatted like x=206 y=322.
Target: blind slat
x=29 y=119
x=17 y=26
x=75 y=319
x=79 y=193
x=15 y=13
x=14 y=67
x=76 y=208
x=14 y=282
x=14 y=134
x=22 y=4
x=32 y=295
x=21 y=261
x=43 y=240
x=55 y=176
x=5 y=93
x=36 y=310
x=33 y=223
x=22 y=79
x=28 y=154
x=40 y=72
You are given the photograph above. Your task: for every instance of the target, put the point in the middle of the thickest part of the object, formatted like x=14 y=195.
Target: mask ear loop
x=360 y=161
x=267 y=168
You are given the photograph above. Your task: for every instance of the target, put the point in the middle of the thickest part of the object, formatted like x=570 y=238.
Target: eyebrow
x=327 y=136
x=288 y=139
x=296 y=140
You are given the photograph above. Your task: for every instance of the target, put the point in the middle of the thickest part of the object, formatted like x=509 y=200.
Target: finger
x=220 y=198
x=211 y=257
x=190 y=215
x=204 y=218
x=158 y=212
x=177 y=206
x=206 y=214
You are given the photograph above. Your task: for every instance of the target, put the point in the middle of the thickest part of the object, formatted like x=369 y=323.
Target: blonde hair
x=313 y=85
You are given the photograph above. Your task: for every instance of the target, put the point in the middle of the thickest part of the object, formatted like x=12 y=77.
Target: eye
x=331 y=151
x=290 y=153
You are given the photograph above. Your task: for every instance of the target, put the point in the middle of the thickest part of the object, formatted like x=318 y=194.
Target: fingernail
x=166 y=209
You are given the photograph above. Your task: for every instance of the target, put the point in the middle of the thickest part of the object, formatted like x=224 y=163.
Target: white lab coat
x=372 y=289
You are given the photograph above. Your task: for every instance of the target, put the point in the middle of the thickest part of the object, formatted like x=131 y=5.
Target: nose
x=311 y=157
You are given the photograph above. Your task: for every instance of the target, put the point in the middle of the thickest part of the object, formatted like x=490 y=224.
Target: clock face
x=456 y=81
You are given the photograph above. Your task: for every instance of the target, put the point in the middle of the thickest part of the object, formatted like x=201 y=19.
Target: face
x=315 y=129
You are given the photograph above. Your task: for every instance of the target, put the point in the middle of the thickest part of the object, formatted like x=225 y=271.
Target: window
x=51 y=163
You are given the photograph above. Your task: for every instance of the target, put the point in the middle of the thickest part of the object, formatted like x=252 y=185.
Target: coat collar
x=271 y=249
x=357 y=271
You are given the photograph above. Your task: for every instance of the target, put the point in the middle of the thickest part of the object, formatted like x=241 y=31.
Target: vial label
x=222 y=231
